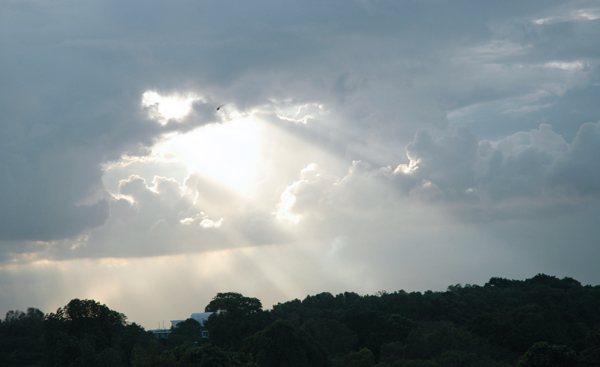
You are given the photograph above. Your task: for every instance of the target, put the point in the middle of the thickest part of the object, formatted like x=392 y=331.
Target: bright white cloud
x=163 y=108
x=226 y=152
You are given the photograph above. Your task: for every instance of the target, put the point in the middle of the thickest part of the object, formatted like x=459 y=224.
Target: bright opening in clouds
x=157 y=154
x=226 y=152
x=164 y=108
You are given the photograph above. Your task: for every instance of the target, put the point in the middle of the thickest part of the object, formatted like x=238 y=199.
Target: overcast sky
x=359 y=146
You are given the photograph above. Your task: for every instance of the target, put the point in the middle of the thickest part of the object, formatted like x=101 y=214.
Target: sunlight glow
x=227 y=152
x=163 y=108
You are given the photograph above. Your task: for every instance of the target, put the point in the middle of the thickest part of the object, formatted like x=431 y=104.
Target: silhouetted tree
x=282 y=345
x=21 y=338
x=362 y=358
x=234 y=303
x=236 y=317
x=87 y=333
x=336 y=337
x=188 y=332
x=543 y=354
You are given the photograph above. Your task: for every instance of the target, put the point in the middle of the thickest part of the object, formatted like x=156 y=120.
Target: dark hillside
x=539 y=322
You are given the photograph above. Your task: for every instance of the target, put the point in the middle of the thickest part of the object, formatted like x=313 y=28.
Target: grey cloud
x=513 y=194
x=448 y=160
x=73 y=75
x=519 y=164
x=163 y=201
x=40 y=195
x=164 y=217
x=523 y=175
x=526 y=164
x=578 y=169
x=515 y=175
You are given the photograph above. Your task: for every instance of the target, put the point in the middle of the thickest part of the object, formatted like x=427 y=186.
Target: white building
x=201 y=317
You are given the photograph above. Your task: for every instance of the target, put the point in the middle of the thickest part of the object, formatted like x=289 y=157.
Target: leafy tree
x=416 y=363
x=21 y=338
x=336 y=337
x=234 y=303
x=188 y=332
x=185 y=356
x=391 y=352
x=456 y=358
x=151 y=357
x=87 y=333
x=543 y=354
x=213 y=356
x=236 y=317
x=282 y=345
x=486 y=325
x=374 y=328
x=362 y=358
x=591 y=352
x=134 y=335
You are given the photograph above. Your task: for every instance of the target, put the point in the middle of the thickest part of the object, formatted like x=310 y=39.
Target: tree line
x=539 y=322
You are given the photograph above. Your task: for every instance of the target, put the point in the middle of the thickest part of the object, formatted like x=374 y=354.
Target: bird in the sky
x=218 y=108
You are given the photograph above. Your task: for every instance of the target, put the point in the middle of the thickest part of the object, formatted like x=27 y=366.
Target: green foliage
x=236 y=317
x=591 y=350
x=188 y=332
x=151 y=357
x=362 y=358
x=87 y=333
x=446 y=344
x=543 y=354
x=456 y=358
x=470 y=325
x=185 y=356
x=499 y=320
x=336 y=337
x=282 y=345
x=21 y=338
x=391 y=352
x=416 y=363
x=234 y=303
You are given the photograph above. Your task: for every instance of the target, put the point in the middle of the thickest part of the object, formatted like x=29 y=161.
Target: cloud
x=533 y=172
x=389 y=135
x=585 y=14
x=42 y=194
x=165 y=218
x=306 y=195
x=578 y=169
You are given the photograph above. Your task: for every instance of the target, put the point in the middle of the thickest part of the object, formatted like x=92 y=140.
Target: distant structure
x=201 y=317
x=161 y=333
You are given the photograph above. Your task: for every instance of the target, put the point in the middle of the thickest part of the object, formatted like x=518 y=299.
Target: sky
x=155 y=153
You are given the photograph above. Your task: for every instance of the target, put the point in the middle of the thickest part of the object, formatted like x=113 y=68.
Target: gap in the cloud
x=227 y=152
x=163 y=108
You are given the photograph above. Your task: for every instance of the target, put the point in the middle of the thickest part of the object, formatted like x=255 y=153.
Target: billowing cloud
x=578 y=169
x=536 y=168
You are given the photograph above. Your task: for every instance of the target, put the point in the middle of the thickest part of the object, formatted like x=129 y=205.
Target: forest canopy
x=542 y=321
